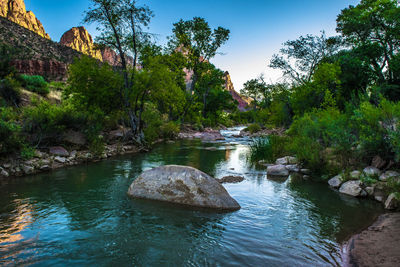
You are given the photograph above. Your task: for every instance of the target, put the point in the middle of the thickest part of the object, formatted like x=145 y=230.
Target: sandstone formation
x=15 y=11
x=182 y=185
x=243 y=101
x=79 y=39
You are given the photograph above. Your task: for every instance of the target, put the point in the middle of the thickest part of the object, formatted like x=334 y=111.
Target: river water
x=81 y=216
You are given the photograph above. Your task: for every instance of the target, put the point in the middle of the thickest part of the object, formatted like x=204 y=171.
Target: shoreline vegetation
x=334 y=118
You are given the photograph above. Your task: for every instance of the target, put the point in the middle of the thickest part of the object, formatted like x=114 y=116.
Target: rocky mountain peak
x=243 y=101
x=78 y=38
x=15 y=11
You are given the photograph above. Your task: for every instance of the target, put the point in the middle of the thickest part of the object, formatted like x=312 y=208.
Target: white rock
x=27 y=169
x=286 y=160
x=60 y=159
x=355 y=175
x=372 y=171
x=391 y=202
x=389 y=174
x=4 y=173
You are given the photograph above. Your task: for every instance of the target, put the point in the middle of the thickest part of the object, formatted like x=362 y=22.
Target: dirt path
x=379 y=245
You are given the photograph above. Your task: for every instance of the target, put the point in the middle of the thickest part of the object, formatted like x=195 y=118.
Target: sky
x=258 y=27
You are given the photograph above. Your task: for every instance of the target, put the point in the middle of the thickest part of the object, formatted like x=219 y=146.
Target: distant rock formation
x=78 y=38
x=243 y=101
x=15 y=11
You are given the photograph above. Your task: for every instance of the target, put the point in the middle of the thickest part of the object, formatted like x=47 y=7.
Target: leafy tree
x=301 y=57
x=121 y=24
x=256 y=89
x=373 y=25
x=199 y=43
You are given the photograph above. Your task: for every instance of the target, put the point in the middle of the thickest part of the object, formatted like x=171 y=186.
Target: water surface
x=82 y=216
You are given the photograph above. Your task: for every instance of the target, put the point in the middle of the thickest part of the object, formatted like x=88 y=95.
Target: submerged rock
x=182 y=185
x=352 y=188
x=231 y=179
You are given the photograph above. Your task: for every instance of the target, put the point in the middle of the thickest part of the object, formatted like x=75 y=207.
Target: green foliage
x=6 y=54
x=170 y=130
x=10 y=91
x=253 y=128
x=27 y=152
x=267 y=148
x=10 y=138
x=93 y=85
x=35 y=83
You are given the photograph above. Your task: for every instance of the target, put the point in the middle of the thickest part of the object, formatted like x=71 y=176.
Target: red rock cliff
x=243 y=101
x=79 y=39
x=15 y=11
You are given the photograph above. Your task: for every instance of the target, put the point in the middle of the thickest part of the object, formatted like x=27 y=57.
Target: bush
x=35 y=84
x=268 y=148
x=10 y=92
x=170 y=130
x=253 y=128
x=10 y=138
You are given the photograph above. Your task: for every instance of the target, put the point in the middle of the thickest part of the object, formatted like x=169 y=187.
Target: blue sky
x=258 y=27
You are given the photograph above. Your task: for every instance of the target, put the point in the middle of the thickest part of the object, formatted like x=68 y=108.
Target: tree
x=195 y=39
x=374 y=25
x=120 y=23
x=301 y=57
x=256 y=89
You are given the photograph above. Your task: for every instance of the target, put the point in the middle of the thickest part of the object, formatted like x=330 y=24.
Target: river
x=82 y=216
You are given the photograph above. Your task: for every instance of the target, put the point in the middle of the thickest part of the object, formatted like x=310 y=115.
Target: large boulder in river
x=277 y=170
x=182 y=185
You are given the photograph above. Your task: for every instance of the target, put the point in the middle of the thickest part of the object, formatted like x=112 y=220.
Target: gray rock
x=4 y=173
x=389 y=174
x=45 y=167
x=351 y=188
x=372 y=171
x=182 y=185
x=355 y=175
x=7 y=165
x=336 y=181
x=293 y=168
x=27 y=169
x=370 y=190
x=60 y=159
x=391 y=202
x=286 y=161
x=58 y=151
x=378 y=162
x=231 y=179
x=305 y=171
x=75 y=138
x=277 y=170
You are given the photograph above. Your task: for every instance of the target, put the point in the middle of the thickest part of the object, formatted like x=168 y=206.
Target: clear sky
x=258 y=27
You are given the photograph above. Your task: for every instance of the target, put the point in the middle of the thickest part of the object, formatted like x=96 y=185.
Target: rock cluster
x=182 y=185
x=15 y=11
x=284 y=167
x=355 y=185
x=207 y=135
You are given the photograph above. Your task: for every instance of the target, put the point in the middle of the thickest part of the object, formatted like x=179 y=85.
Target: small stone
x=7 y=165
x=231 y=179
x=336 y=181
x=305 y=171
x=391 y=202
x=60 y=159
x=72 y=155
x=293 y=168
x=387 y=175
x=27 y=169
x=286 y=161
x=306 y=177
x=4 y=173
x=370 y=190
x=372 y=171
x=59 y=151
x=39 y=154
x=45 y=168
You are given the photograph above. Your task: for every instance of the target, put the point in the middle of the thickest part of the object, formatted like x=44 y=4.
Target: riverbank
x=376 y=246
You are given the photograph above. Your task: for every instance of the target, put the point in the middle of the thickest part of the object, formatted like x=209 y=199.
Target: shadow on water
x=83 y=216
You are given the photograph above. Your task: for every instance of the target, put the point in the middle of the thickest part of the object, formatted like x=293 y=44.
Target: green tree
x=199 y=43
x=121 y=24
x=257 y=90
x=300 y=58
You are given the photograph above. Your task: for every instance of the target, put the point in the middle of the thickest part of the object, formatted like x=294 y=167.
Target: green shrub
x=10 y=138
x=170 y=130
x=253 y=128
x=10 y=92
x=153 y=121
x=268 y=148
x=35 y=83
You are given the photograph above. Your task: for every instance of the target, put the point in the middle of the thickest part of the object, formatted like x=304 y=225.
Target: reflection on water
x=82 y=216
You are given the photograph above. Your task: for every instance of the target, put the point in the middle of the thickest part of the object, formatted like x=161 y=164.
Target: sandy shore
x=379 y=245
